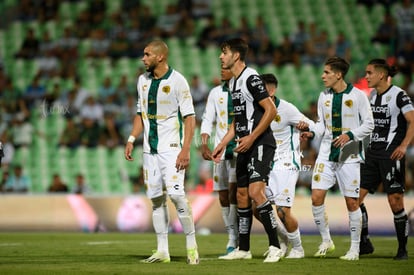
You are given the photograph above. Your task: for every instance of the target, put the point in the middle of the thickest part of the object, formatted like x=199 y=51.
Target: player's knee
x=181 y=204
x=158 y=201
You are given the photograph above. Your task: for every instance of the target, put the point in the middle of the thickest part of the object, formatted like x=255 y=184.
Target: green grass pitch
x=119 y=253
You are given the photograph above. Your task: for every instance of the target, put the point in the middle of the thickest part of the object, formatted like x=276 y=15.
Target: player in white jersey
x=287 y=163
x=165 y=114
x=219 y=112
x=253 y=113
x=393 y=114
x=344 y=120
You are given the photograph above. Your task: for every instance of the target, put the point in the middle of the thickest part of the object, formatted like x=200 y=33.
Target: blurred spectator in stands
x=285 y=53
x=70 y=136
x=91 y=115
x=185 y=26
x=404 y=16
x=110 y=136
x=82 y=26
x=52 y=100
x=74 y=99
x=146 y=19
x=22 y=132
x=106 y=89
x=300 y=40
x=17 y=182
x=8 y=150
x=264 y=54
x=127 y=5
x=35 y=93
x=405 y=63
x=30 y=46
x=47 y=10
x=123 y=89
x=136 y=38
x=97 y=11
x=26 y=11
x=120 y=46
x=209 y=34
x=201 y=8
x=3 y=79
x=4 y=177
x=127 y=114
x=48 y=65
x=67 y=46
x=80 y=188
x=92 y=110
x=320 y=49
x=342 y=47
x=99 y=44
x=12 y=101
x=57 y=185
x=116 y=26
x=46 y=44
x=259 y=34
x=199 y=91
x=386 y=33
x=166 y=22
x=225 y=30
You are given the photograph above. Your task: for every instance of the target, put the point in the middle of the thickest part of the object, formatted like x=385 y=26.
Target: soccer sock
x=268 y=218
x=225 y=210
x=355 y=222
x=186 y=219
x=281 y=230
x=160 y=220
x=401 y=226
x=234 y=229
x=245 y=226
x=364 y=228
x=321 y=221
x=295 y=240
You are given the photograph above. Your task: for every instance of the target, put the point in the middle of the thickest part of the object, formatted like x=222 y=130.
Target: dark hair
x=269 y=79
x=382 y=64
x=236 y=45
x=338 y=64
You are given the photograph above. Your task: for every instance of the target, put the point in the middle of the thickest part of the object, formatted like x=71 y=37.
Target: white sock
x=355 y=224
x=234 y=229
x=160 y=221
x=295 y=240
x=186 y=219
x=281 y=231
x=321 y=221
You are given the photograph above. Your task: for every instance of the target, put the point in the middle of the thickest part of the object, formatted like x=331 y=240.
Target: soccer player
x=164 y=106
x=219 y=111
x=253 y=113
x=393 y=114
x=344 y=120
x=285 y=172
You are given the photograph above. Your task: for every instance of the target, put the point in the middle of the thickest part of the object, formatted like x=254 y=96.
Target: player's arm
x=221 y=147
x=207 y=122
x=137 y=127
x=183 y=158
x=401 y=150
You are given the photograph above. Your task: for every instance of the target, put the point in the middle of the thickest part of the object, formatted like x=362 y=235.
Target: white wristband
x=131 y=139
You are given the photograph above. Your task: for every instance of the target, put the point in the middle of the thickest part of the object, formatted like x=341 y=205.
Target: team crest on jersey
x=144 y=87
x=166 y=89
x=349 y=103
x=221 y=100
x=327 y=103
x=317 y=178
x=277 y=118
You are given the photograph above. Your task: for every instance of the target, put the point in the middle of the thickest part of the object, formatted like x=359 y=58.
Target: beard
x=150 y=68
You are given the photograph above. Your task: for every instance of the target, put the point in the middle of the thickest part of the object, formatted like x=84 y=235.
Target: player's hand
x=244 y=144
x=217 y=153
x=399 y=153
x=128 y=151
x=340 y=141
x=206 y=152
x=183 y=160
x=304 y=136
x=302 y=126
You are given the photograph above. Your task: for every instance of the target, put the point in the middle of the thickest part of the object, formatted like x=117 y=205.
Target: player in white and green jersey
x=165 y=115
x=344 y=120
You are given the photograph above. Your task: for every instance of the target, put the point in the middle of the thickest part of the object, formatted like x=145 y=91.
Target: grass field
x=117 y=253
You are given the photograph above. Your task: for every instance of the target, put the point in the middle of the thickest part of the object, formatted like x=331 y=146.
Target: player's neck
x=160 y=71
x=340 y=86
x=238 y=68
x=382 y=87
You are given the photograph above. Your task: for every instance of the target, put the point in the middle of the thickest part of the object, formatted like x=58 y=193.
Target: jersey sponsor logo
x=166 y=89
x=381 y=109
x=237 y=95
x=174 y=145
x=382 y=121
x=239 y=109
x=349 y=103
x=375 y=137
x=240 y=128
x=164 y=102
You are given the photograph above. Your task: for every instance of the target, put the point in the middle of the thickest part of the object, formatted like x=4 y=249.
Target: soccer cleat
x=325 y=248
x=284 y=243
x=273 y=254
x=237 y=255
x=192 y=256
x=365 y=247
x=296 y=254
x=401 y=255
x=157 y=257
x=350 y=256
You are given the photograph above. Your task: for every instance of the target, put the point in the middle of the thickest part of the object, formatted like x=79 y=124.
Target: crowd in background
x=104 y=117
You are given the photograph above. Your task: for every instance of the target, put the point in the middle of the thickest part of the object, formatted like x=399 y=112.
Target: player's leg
x=160 y=215
x=322 y=179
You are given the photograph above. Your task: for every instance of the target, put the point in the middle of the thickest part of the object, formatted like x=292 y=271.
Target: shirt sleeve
x=404 y=102
x=209 y=115
x=256 y=87
x=185 y=99
x=319 y=127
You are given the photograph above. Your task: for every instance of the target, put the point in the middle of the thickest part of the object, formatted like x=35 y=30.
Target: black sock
x=268 y=218
x=401 y=227
x=364 y=228
x=245 y=226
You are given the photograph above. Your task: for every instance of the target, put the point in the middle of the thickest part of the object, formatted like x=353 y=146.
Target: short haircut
x=379 y=63
x=236 y=45
x=338 y=64
x=269 y=79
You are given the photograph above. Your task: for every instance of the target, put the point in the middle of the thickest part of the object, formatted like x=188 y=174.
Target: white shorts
x=161 y=175
x=326 y=173
x=282 y=184
x=224 y=172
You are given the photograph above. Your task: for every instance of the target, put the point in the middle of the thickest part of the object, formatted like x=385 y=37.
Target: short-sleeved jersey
x=286 y=135
x=219 y=111
x=247 y=90
x=162 y=104
x=390 y=129
x=339 y=113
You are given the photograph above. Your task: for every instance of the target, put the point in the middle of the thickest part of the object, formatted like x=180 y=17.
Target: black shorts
x=389 y=172
x=254 y=165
